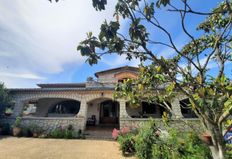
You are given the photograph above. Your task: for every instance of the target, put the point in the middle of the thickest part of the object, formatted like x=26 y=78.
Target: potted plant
x=16 y=127
x=8 y=111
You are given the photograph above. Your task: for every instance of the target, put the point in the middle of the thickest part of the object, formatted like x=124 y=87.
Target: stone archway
x=105 y=110
x=23 y=98
x=109 y=112
x=52 y=107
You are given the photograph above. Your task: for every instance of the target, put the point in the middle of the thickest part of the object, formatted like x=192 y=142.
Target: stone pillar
x=123 y=112
x=18 y=108
x=83 y=113
x=176 y=108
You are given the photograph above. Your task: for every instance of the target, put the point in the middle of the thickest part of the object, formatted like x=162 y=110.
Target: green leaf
x=99 y=4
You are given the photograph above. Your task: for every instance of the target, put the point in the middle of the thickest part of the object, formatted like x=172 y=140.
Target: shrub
x=65 y=133
x=26 y=132
x=17 y=122
x=115 y=133
x=229 y=150
x=180 y=145
x=57 y=133
x=123 y=131
x=152 y=143
x=127 y=143
x=35 y=130
x=145 y=140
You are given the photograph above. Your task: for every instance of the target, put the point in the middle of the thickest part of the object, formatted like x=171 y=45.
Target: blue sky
x=38 y=40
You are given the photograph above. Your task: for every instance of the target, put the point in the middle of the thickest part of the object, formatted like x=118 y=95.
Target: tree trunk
x=218 y=145
x=217 y=153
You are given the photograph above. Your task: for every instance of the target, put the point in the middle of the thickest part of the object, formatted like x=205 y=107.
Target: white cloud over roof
x=40 y=38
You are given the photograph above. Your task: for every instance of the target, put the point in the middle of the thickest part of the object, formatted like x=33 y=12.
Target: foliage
x=5 y=99
x=229 y=150
x=8 y=110
x=127 y=143
x=51 y=0
x=26 y=131
x=17 y=122
x=65 y=133
x=122 y=131
x=145 y=140
x=186 y=72
x=180 y=145
x=35 y=129
x=151 y=142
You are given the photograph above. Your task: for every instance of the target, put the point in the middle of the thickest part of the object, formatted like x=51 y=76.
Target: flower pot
x=206 y=138
x=7 y=114
x=16 y=131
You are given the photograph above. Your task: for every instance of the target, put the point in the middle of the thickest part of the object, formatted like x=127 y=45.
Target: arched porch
x=51 y=107
x=105 y=112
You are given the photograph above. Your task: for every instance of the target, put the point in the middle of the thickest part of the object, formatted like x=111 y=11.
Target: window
x=186 y=109
x=66 y=107
x=122 y=80
x=149 y=108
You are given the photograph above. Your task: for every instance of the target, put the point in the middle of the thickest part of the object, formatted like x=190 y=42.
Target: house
x=89 y=103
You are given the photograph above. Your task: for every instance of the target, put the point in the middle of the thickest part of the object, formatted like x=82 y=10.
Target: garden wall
x=49 y=123
x=185 y=125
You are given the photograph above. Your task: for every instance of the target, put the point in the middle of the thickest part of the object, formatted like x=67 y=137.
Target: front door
x=109 y=112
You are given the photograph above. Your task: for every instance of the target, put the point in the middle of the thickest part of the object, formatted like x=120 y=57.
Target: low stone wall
x=50 y=123
x=185 y=125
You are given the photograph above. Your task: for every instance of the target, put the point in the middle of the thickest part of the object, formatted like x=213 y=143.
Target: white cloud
x=39 y=37
x=212 y=64
x=21 y=75
x=116 y=61
x=179 y=42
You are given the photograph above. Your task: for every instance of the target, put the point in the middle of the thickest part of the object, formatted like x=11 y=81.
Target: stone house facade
x=53 y=105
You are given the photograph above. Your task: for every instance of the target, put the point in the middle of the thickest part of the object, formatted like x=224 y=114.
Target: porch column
x=83 y=112
x=83 y=109
x=176 y=108
x=123 y=112
x=18 y=108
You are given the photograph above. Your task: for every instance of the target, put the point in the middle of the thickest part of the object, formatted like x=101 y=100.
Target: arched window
x=66 y=107
x=121 y=76
x=186 y=110
x=146 y=110
x=122 y=80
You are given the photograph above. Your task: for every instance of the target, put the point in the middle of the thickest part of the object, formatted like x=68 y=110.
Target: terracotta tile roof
x=124 y=68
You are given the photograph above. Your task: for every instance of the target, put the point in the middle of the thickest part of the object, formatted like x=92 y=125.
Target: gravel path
x=31 y=148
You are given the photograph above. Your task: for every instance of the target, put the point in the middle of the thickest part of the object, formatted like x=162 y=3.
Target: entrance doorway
x=109 y=112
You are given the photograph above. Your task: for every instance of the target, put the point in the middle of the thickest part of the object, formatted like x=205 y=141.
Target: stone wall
x=185 y=125
x=49 y=123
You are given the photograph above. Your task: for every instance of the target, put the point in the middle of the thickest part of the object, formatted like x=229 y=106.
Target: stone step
x=101 y=133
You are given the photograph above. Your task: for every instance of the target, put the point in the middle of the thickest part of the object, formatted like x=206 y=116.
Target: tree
x=5 y=99
x=187 y=71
